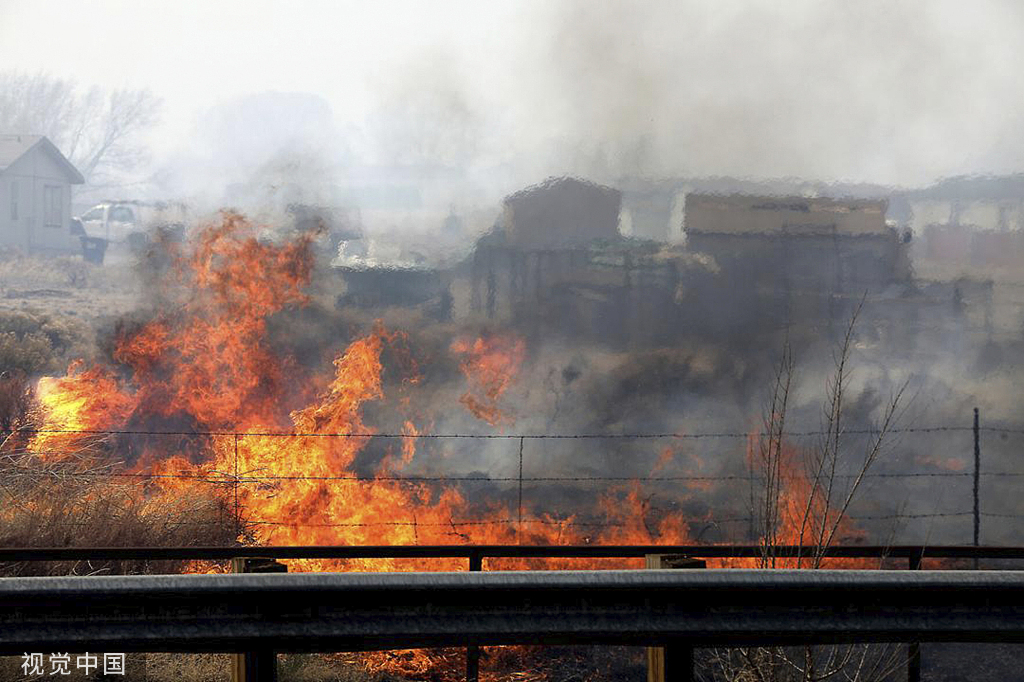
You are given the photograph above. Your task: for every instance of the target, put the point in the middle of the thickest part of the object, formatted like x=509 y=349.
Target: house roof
x=974 y=188
x=558 y=183
x=13 y=147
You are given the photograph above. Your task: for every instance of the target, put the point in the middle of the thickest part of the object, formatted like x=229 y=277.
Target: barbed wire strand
x=500 y=436
x=250 y=478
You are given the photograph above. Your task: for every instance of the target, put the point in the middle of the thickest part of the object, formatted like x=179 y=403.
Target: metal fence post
x=672 y=663
x=259 y=665
x=476 y=563
x=914 y=648
x=519 y=526
x=234 y=486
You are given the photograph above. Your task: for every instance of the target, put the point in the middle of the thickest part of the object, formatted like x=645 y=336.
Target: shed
x=35 y=195
x=561 y=213
x=818 y=243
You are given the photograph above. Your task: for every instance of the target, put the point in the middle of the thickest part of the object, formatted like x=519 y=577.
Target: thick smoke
x=872 y=91
x=894 y=94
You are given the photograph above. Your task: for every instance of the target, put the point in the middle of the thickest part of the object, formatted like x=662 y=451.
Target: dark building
x=540 y=243
x=561 y=213
x=555 y=264
x=784 y=260
x=823 y=244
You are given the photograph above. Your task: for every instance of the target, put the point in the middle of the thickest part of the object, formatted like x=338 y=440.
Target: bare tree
x=98 y=130
x=821 y=512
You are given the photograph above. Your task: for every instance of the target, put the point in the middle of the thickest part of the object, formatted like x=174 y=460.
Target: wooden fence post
x=672 y=663
x=260 y=665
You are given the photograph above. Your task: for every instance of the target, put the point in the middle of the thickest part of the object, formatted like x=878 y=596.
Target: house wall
x=6 y=226
x=1002 y=215
x=809 y=262
x=776 y=215
x=566 y=215
x=33 y=172
x=13 y=232
x=619 y=298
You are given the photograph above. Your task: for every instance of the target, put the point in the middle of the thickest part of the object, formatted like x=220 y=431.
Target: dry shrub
x=188 y=667
x=320 y=668
x=39 y=343
x=80 y=502
x=16 y=401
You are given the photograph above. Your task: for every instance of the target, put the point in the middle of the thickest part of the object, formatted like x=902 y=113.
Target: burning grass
x=276 y=455
x=204 y=365
x=291 y=459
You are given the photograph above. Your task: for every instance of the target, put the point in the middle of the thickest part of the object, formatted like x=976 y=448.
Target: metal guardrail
x=475 y=554
x=365 y=611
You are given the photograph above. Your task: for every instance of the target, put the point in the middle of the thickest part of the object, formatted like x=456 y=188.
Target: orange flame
x=81 y=401
x=490 y=365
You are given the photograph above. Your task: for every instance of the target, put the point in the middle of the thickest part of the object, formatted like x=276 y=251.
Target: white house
x=35 y=195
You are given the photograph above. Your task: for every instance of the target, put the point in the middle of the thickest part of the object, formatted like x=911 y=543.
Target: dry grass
x=34 y=343
x=20 y=271
x=67 y=287
x=79 y=502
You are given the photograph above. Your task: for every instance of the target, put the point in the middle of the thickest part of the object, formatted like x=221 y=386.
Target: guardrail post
x=914 y=648
x=672 y=663
x=977 y=474
x=260 y=665
x=476 y=563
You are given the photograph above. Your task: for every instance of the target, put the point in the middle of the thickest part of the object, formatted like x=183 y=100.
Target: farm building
x=786 y=260
x=561 y=213
x=35 y=195
x=556 y=264
x=817 y=244
x=541 y=240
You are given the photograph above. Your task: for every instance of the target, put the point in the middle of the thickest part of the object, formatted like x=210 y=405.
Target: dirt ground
x=68 y=286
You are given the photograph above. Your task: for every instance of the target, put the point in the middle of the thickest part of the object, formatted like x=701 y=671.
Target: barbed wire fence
x=234 y=480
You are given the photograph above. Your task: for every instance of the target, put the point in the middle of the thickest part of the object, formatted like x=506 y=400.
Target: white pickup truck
x=134 y=223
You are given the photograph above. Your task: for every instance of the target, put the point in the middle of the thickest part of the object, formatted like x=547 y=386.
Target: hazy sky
x=883 y=91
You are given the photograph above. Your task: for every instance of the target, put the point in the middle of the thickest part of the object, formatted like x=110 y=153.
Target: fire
x=287 y=460
x=82 y=401
x=203 y=365
x=207 y=357
x=806 y=515
x=490 y=365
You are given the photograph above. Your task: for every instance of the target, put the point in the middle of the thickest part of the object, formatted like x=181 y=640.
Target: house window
x=53 y=205
x=14 y=200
